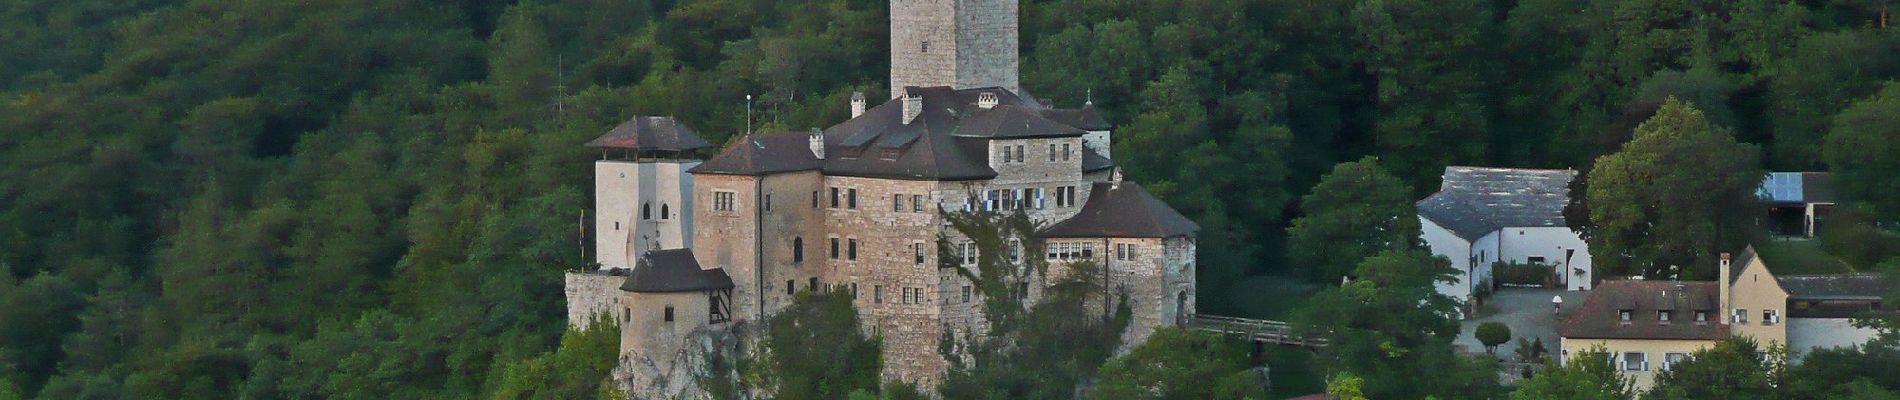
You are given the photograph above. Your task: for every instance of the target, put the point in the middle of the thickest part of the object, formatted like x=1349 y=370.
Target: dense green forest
x=375 y=198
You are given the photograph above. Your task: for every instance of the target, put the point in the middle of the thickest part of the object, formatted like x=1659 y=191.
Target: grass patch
x=1268 y=296
x=1795 y=257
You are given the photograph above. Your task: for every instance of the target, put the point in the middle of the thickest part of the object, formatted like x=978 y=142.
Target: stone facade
x=593 y=293
x=956 y=43
x=640 y=204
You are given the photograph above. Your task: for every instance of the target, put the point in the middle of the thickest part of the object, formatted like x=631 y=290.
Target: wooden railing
x=1258 y=330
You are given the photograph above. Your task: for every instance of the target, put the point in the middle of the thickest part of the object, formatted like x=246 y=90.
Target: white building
x=1481 y=216
x=642 y=191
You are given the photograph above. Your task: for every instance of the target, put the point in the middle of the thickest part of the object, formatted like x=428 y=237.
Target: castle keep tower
x=957 y=43
x=642 y=193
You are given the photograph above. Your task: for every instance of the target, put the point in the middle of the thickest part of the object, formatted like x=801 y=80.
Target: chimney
x=857 y=104
x=1722 y=281
x=818 y=143
x=986 y=100
x=913 y=105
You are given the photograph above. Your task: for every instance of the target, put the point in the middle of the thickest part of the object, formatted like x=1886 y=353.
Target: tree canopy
x=1681 y=191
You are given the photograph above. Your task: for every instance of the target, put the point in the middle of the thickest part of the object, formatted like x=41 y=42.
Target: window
x=1015 y=250
x=1052 y=152
x=814 y=199
x=1019 y=153
x=923 y=47
x=646 y=211
x=897 y=203
x=814 y=284
x=853 y=253
x=1065 y=196
x=768 y=202
x=1125 y=251
x=968 y=252
x=616 y=225
x=966 y=293
x=1065 y=152
x=1662 y=317
x=790 y=286
x=1673 y=358
x=1536 y=259
x=834 y=197
x=1701 y=317
x=1740 y=316
x=722 y=201
x=669 y=313
x=851 y=198
x=1624 y=315
x=917 y=203
x=919 y=249
x=667 y=212
x=1634 y=361
x=834 y=248
x=1770 y=317
x=877 y=294
x=798 y=249
x=854 y=290
x=1033 y=197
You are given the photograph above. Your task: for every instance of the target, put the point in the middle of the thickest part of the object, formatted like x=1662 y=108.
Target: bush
x=1522 y=273
x=1858 y=243
x=1493 y=334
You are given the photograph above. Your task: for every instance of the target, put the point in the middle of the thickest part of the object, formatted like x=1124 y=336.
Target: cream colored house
x=1649 y=325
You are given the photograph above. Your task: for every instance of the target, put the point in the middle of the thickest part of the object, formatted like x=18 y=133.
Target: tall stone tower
x=957 y=43
x=643 y=196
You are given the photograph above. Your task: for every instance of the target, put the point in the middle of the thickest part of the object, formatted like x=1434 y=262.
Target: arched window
x=798 y=249
x=665 y=211
x=646 y=211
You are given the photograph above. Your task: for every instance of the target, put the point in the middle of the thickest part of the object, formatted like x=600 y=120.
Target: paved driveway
x=1527 y=312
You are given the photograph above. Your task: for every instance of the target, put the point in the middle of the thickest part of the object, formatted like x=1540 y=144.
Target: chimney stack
x=913 y=105
x=986 y=100
x=818 y=143
x=1722 y=281
x=857 y=104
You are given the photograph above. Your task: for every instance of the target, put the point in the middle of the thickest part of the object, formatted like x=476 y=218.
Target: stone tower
x=956 y=43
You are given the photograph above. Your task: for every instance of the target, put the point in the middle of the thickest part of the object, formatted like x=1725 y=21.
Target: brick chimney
x=913 y=105
x=857 y=104
x=818 y=144
x=1722 y=281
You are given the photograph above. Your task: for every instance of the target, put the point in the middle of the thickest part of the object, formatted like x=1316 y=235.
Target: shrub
x=1522 y=273
x=1492 y=334
x=1858 y=243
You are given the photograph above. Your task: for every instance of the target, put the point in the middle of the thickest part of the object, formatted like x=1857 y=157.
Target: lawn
x=1797 y=257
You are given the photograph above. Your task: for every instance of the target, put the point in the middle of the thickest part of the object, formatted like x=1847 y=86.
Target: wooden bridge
x=1256 y=330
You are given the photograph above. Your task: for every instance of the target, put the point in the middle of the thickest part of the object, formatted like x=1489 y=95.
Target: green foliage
x=1346 y=386
x=578 y=369
x=1587 y=375
x=1675 y=196
x=1492 y=334
x=1181 y=364
x=1355 y=212
x=1391 y=327
x=815 y=349
x=1863 y=150
x=1736 y=368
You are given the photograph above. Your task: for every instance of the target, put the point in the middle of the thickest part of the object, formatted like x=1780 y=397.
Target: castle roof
x=671 y=271
x=1600 y=315
x=1122 y=210
x=1086 y=118
x=1093 y=161
x=947 y=140
x=643 y=133
x=763 y=155
x=1475 y=201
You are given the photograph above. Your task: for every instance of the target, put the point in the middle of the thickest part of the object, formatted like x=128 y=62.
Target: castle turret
x=958 y=43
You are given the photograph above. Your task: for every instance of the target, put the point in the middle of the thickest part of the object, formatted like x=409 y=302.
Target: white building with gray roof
x=1481 y=216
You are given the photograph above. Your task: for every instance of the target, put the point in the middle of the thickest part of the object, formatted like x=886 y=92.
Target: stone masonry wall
x=728 y=239
x=888 y=232
x=923 y=44
x=793 y=219
x=590 y=294
x=987 y=44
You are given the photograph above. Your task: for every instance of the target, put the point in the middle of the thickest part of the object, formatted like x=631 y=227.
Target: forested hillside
x=375 y=198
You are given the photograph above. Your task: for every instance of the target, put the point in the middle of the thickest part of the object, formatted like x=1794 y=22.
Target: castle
x=688 y=248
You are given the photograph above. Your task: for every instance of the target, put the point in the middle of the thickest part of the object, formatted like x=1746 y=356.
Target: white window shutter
x=1040 y=203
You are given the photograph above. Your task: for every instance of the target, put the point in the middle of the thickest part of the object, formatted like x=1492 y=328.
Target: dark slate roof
x=763 y=155
x=947 y=141
x=1474 y=201
x=651 y=133
x=1598 y=317
x=668 y=271
x=1086 y=118
x=1093 y=161
x=1797 y=188
x=1740 y=262
x=1122 y=210
x=1835 y=286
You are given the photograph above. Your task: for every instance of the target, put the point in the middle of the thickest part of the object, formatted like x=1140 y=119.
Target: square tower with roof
x=956 y=43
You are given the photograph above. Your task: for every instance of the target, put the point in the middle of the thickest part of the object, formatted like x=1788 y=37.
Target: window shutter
x=1040 y=201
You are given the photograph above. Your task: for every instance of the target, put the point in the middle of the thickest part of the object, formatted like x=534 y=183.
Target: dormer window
x=1701 y=317
x=1662 y=317
x=1625 y=315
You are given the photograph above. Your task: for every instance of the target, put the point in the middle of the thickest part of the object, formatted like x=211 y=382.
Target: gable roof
x=1086 y=118
x=1741 y=261
x=763 y=155
x=1599 y=317
x=644 y=133
x=675 y=270
x=1094 y=161
x=1862 y=286
x=1475 y=201
x=1122 y=210
x=948 y=140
